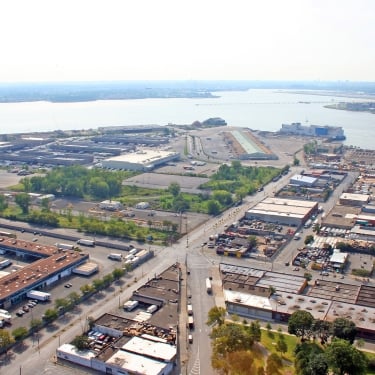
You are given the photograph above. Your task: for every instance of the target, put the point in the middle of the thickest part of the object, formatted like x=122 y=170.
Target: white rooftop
x=338 y=257
x=247 y=299
x=142 y=157
x=153 y=349
x=306 y=179
x=71 y=349
x=355 y=197
x=136 y=364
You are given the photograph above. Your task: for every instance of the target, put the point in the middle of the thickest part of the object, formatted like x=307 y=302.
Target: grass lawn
x=269 y=340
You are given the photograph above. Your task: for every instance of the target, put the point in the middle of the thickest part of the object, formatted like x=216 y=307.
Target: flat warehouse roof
x=280 y=209
x=153 y=349
x=355 y=197
x=144 y=157
x=133 y=363
x=289 y=202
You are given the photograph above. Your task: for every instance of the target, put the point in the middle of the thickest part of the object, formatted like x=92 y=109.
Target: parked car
x=68 y=285
x=20 y=312
x=26 y=308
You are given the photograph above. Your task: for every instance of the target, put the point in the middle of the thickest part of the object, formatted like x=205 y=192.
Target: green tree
x=318 y=365
x=35 y=324
x=117 y=273
x=223 y=197
x=108 y=279
x=20 y=333
x=230 y=337
x=50 y=315
x=322 y=330
x=307 y=276
x=255 y=330
x=213 y=207
x=310 y=359
x=3 y=202
x=86 y=288
x=6 y=339
x=309 y=239
x=174 y=188
x=300 y=324
x=23 y=201
x=45 y=204
x=216 y=315
x=345 y=329
x=343 y=358
x=281 y=345
x=73 y=298
x=98 y=284
x=81 y=342
x=61 y=303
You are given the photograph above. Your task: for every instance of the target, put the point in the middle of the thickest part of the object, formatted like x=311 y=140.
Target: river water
x=256 y=109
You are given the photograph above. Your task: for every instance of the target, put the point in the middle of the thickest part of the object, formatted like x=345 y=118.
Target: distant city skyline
x=90 y=40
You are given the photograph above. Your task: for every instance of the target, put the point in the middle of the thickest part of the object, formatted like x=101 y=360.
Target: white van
x=297 y=236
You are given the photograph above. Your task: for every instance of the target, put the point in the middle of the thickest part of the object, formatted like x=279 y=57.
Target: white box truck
x=64 y=246
x=151 y=309
x=85 y=242
x=5 y=316
x=38 y=295
x=190 y=309
x=115 y=256
x=130 y=305
x=208 y=286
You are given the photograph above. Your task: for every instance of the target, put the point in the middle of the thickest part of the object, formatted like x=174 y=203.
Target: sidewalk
x=182 y=326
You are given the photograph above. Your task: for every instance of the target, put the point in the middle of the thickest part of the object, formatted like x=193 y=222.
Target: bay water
x=255 y=109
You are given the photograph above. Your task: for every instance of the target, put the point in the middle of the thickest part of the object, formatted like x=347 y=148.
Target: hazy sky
x=49 y=40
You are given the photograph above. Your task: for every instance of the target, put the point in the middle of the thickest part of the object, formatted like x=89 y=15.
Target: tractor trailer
x=38 y=295
x=85 y=242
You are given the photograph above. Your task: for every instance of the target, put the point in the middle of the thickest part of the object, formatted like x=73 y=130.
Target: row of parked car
x=26 y=308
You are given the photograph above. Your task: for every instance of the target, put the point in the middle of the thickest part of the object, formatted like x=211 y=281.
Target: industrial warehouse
x=146 y=343
x=247 y=293
x=144 y=160
x=283 y=211
x=52 y=265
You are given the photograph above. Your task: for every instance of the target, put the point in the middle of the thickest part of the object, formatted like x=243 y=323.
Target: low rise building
x=144 y=160
x=282 y=211
x=349 y=199
x=302 y=180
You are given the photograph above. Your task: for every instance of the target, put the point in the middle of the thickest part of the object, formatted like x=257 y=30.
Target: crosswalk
x=196 y=369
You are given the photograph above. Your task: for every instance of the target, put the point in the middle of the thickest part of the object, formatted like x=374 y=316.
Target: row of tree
x=233 y=346
x=7 y=338
x=78 y=181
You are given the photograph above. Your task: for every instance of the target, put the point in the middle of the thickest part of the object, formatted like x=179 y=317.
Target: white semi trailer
x=38 y=295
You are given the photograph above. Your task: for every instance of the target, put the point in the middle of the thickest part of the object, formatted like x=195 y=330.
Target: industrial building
x=349 y=199
x=302 y=180
x=282 y=211
x=325 y=131
x=148 y=346
x=144 y=160
x=52 y=265
x=326 y=300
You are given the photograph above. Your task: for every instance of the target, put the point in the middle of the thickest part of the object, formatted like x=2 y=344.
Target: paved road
x=201 y=263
